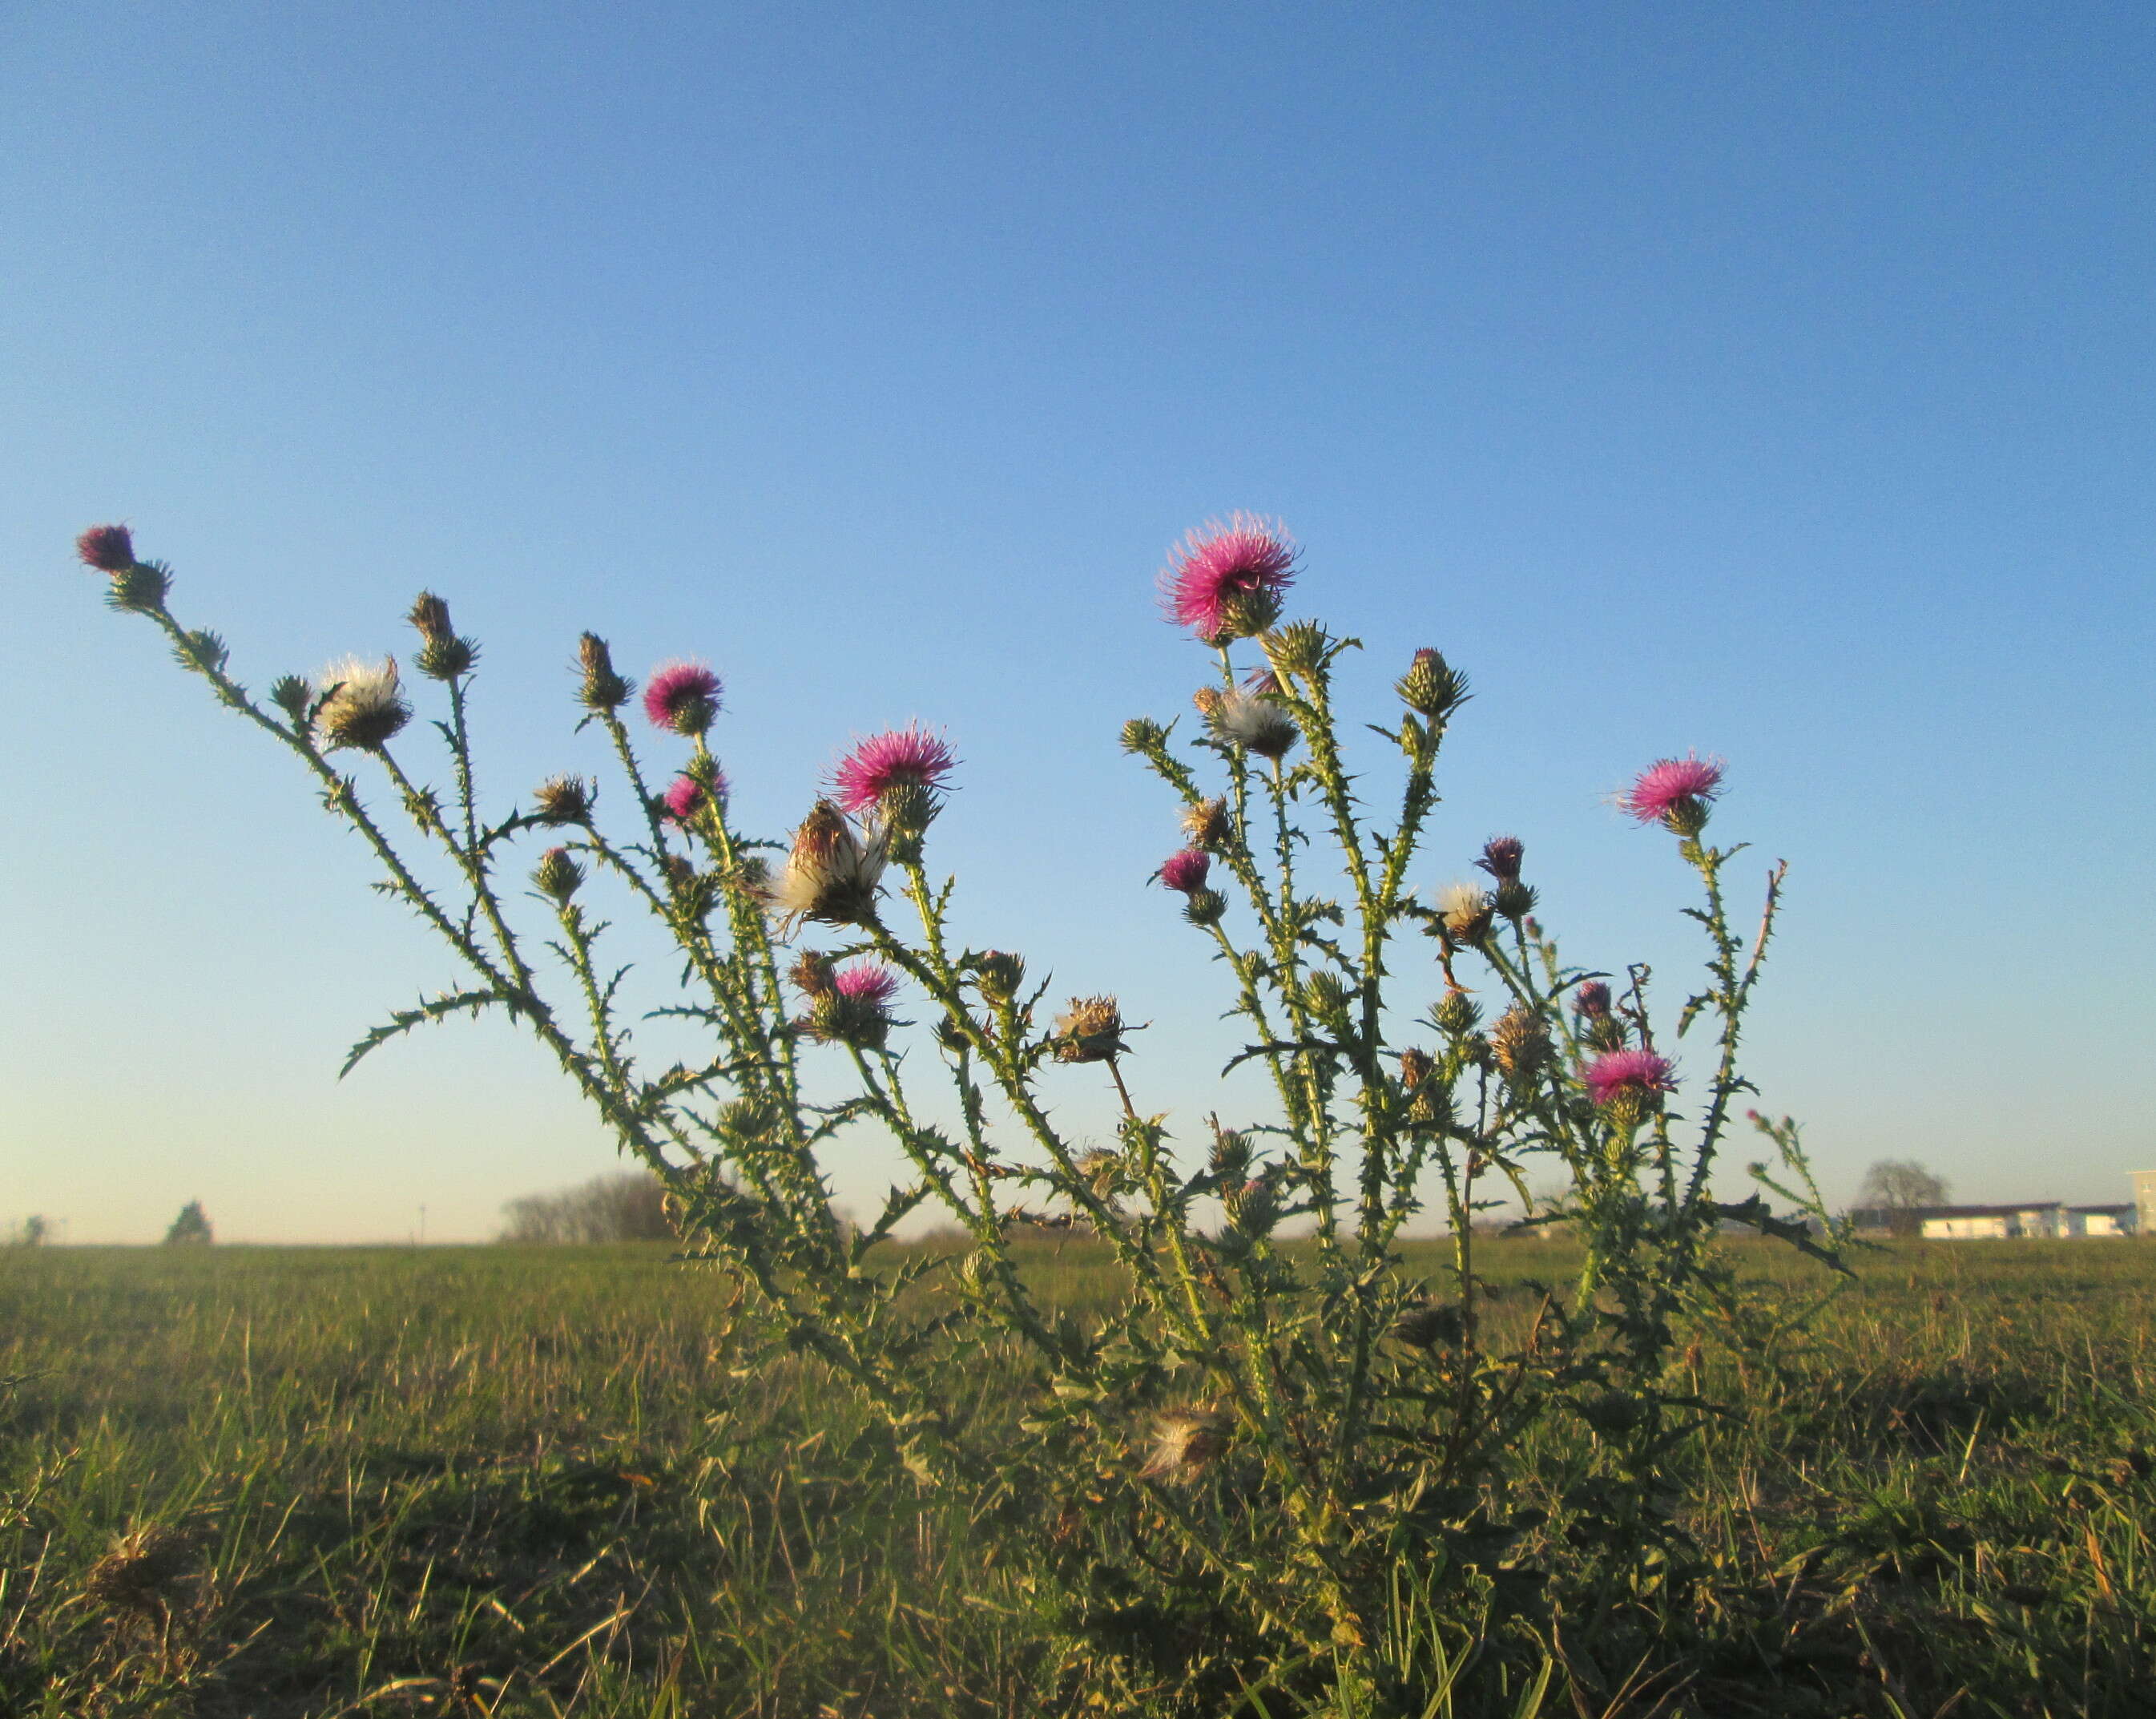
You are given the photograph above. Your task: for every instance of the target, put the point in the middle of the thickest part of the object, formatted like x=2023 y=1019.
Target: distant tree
x=191 y=1228
x=34 y=1231
x=1898 y=1187
x=628 y=1205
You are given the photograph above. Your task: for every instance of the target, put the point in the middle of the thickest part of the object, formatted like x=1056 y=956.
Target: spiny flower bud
x=364 y=708
x=1231 y=1151
x=1297 y=649
x=1464 y=912
x=747 y=1120
x=1186 y=1442
x=557 y=874
x=142 y=587
x=998 y=975
x=1428 y=1326
x=1142 y=733
x=291 y=694
x=1089 y=1030
x=1514 y=900
x=1204 y=908
x=1208 y=826
x=443 y=656
x=1502 y=856
x=1325 y=995
x=564 y=799
x=1432 y=687
x=1457 y=1015
x=1592 y=999
x=602 y=689
x=951 y=1034
x=1520 y=1042
x=109 y=548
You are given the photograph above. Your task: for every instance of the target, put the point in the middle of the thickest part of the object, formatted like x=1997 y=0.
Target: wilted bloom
x=1592 y=999
x=365 y=706
x=563 y=800
x=1629 y=1074
x=1185 y=1442
x=1674 y=792
x=687 y=796
x=811 y=973
x=1089 y=1030
x=109 y=548
x=1520 y=1042
x=1208 y=825
x=1501 y=856
x=1464 y=912
x=683 y=697
x=832 y=873
x=1251 y=719
x=602 y=689
x=1185 y=871
x=557 y=874
x=443 y=656
x=1429 y=1326
x=1227 y=581
x=910 y=757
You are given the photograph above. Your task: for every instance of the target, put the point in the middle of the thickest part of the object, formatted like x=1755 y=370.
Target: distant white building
x=2144 y=1201
x=2042 y=1220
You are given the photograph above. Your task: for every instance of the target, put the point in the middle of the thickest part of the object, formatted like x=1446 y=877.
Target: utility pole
x=423 y=1226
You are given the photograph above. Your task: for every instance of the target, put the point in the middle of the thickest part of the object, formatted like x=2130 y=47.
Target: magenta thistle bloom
x=1501 y=856
x=910 y=757
x=685 y=798
x=109 y=548
x=1674 y=791
x=683 y=697
x=1592 y=999
x=1616 y=1074
x=1186 y=871
x=1227 y=581
x=869 y=984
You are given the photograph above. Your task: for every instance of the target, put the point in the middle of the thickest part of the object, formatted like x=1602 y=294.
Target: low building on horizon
x=2038 y=1220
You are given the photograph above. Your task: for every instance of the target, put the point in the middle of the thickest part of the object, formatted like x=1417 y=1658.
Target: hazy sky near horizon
x=1777 y=382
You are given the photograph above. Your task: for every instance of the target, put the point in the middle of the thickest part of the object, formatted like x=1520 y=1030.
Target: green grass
x=542 y=1482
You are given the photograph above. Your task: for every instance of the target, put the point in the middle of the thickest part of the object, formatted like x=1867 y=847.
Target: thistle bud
x=998 y=975
x=1208 y=826
x=1432 y=687
x=602 y=689
x=1457 y=1015
x=561 y=801
x=443 y=656
x=1297 y=649
x=142 y=587
x=1231 y=1152
x=1204 y=908
x=1089 y=1030
x=1514 y=900
x=951 y=1034
x=1428 y=1326
x=1325 y=996
x=1142 y=733
x=558 y=875
x=1592 y=999
x=291 y=694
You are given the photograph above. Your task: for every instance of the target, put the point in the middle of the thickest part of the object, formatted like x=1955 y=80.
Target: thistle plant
x=1224 y=1480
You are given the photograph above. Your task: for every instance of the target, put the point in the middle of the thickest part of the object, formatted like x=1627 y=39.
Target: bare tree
x=34 y=1231
x=1898 y=1187
x=628 y=1205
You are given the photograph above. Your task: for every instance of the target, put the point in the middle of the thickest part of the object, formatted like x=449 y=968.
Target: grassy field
x=501 y=1481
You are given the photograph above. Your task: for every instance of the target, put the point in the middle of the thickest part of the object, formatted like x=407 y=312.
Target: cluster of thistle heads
x=1224 y=583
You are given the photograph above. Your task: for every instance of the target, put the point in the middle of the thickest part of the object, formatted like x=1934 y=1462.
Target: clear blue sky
x=1772 y=381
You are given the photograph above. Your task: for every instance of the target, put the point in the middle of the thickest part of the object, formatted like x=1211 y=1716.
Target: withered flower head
x=364 y=708
x=833 y=873
x=1520 y=1042
x=1428 y=1326
x=1089 y=1030
x=1185 y=1442
x=1464 y=912
x=1208 y=826
x=564 y=799
x=602 y=689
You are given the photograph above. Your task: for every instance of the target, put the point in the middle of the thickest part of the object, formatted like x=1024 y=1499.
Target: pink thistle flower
x=1262 y=684
x=683 y=697
x=1186 y=871
x=1615 y=1074
x=910 y=757
x=1227 y=581
x=1592 y=999
x=1674 y=791
x=685 y=797
x=867 y=984
x=109 y=548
